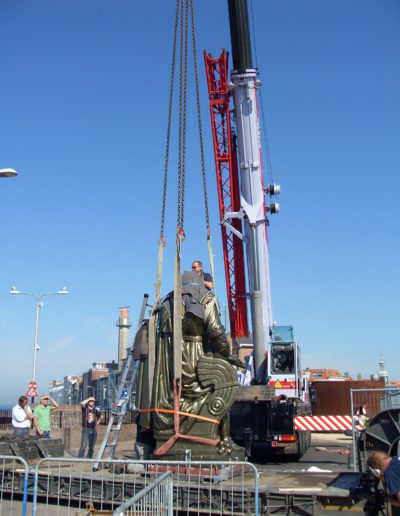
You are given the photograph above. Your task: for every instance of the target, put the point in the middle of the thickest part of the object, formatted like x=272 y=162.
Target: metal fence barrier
x=13 y=485
x=205 y=487
x=155 y=499
x=367 y=403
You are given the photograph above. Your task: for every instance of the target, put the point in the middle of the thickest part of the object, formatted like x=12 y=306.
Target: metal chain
x=184 y=115
x=183 y=8
x=203 y=168
x=171 y=91
x=178 y=222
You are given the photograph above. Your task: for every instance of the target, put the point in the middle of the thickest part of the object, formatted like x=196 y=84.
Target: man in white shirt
x=21 y=417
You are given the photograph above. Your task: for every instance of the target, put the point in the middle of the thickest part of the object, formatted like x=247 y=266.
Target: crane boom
x=244 y=91
x=265 y=406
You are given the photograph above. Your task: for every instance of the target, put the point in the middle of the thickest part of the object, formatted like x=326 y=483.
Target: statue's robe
x=200 y=336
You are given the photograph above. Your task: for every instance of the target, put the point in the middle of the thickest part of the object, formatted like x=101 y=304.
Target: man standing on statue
x=197 y=266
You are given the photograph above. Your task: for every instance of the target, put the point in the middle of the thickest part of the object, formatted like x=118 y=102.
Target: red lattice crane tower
x=228 y=191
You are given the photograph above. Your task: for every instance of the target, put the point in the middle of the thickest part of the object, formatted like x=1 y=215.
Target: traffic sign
x=32 y=389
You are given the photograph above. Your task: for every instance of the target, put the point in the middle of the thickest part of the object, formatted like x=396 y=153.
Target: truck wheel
x=301 y=446
x=308 y=440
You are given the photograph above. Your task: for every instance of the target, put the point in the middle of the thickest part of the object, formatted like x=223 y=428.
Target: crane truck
x=272 y=393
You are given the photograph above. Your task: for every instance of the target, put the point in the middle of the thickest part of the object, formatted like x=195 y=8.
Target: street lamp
x=7 y=172
x=39 y=304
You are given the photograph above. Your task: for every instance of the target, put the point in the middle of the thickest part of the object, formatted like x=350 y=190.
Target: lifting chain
x=162 y=242
x=182 y=116
x=203 y=168
x=171 y=94
x=182 y=6
x=182 y=9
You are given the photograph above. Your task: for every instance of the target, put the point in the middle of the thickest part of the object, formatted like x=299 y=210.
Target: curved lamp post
x=7 y=172
x=39 y=304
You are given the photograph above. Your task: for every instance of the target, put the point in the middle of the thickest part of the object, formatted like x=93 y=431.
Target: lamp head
x=7 y=172
x=63 y=291
x=14 y=291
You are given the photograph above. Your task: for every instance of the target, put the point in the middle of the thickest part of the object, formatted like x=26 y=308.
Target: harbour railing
x=5 y=419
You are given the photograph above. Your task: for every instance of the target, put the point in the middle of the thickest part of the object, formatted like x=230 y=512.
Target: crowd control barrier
x=120 y=485
x=13 y=485
x=155 y=499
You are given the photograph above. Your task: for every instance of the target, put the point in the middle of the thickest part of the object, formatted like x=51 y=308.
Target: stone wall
x=66 y=423
x=70 y=416
x=71 y=437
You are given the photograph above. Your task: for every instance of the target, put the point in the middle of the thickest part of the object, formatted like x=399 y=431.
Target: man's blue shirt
x=392 y=476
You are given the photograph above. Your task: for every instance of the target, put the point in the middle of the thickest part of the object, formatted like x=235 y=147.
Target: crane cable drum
x=182 y=20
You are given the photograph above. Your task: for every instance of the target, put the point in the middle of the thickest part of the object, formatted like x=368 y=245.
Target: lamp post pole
x=35 y=348
x=39 y=304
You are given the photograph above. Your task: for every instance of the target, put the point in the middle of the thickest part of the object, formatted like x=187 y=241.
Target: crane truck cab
x=284 y=366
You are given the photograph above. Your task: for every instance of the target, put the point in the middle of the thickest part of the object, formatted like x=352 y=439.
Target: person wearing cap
x=21 y=417
x=41 y=415
x=91 y=417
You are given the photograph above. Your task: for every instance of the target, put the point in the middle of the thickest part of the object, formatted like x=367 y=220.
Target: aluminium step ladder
x=128 y=380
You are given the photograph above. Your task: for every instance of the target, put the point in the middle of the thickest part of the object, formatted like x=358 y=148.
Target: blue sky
x=83 y=111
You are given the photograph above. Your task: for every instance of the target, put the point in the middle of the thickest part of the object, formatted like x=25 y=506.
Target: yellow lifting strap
x=153 y=321
x=157 y=286
x=178 y=311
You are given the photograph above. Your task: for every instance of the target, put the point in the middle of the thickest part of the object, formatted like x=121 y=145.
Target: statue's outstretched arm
x=216 y=334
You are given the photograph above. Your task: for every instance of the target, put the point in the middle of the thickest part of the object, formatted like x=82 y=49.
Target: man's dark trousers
x=88 y=435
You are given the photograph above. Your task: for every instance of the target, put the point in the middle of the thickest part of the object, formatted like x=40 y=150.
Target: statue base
x=183 y=450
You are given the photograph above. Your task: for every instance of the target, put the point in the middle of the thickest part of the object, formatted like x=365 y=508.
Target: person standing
x=91 y=417
x=387 y=469
x=197 y=266
x=41 y=415
x=21 y=417
x=144 y=442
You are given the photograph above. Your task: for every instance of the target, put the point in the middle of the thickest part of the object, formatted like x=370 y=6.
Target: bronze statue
x=190 y=413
